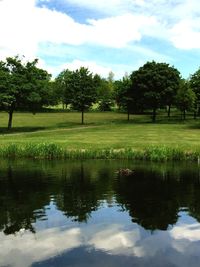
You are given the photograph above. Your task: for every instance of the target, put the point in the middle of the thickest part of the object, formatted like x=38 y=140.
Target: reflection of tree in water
x=154 y=200
x=20 y=196
x=190 y=193
x=25 y=191
x=82 y=192
x=152 y=196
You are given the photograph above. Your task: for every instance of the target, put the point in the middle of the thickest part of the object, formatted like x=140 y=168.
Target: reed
x=56 y=151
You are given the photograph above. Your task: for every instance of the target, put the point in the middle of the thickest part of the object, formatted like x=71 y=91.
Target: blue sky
x=106 y=35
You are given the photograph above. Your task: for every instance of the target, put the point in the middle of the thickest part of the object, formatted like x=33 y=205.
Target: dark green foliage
x=22 y=86
x=124 y=95
x=104 y=94
x=78 y=88
x=195 y=86
x=63 y=88
x=185 y=98
x=154 y=85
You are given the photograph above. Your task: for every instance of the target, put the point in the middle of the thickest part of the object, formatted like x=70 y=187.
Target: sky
x=102 y=35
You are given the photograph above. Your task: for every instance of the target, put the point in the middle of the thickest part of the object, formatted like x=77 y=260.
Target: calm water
x=86 y=214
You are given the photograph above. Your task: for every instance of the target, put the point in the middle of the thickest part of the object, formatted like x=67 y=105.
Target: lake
x=90 y=213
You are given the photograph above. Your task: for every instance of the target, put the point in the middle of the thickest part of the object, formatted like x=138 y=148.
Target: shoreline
x=51 y=151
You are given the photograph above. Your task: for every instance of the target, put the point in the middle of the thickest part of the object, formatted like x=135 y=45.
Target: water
x=86 y=214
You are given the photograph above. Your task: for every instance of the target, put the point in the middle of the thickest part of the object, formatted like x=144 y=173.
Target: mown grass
x=105 y=135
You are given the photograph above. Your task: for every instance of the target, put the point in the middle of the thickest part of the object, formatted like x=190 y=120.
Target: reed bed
x=55 y=151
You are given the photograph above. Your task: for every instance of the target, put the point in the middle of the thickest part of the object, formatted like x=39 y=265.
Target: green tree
x=123 y=95
x=186 y=98
x=83 y=90
x=22 y=86
x=195 y=86
x=155 y=85
x=105 y=94
x=63 y=88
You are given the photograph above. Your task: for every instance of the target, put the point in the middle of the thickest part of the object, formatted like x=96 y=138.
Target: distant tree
x=123 y=95
x=195 y=86
x=110 y=78
x=105 y=95
x=52 y=97
x=171 y=81
x=83 y=90
x=63 y=88
x=154 y=85
x=186 y=98
x=22 y=86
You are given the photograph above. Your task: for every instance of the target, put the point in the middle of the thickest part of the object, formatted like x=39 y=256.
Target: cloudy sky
x=103 y=35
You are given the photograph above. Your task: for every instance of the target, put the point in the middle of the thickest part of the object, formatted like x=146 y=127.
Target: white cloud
x=91 y=65
x=119 y=31
x=25 y=26
x=186 y=34
x=175 y=21
x=118 y=69
x=17 y=31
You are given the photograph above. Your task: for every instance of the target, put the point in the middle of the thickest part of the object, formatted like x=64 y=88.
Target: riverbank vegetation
x=151 y=114
x=153 y=87
x=106 y=135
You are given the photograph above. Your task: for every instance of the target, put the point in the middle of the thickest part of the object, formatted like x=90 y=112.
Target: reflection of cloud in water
x=190 y=232
x=22 y=251
x=115 y=240
x=177 y=247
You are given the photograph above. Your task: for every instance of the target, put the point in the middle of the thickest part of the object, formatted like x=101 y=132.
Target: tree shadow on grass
x=194 y=126
x=4 y=130
x=148 y=120
x=61 y=125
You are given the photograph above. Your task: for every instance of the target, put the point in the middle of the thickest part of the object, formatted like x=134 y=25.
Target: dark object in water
x=125 y=172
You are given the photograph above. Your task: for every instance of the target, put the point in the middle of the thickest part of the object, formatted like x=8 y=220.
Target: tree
x=22 y=86
x=186 y=98
x=171 y=86
x=195 y=86
x=63 y=88
x=154 y=85
x=123 y=95
x=104 y=94
x=83 y=90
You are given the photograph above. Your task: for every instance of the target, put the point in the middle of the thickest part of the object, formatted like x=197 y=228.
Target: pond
x=88 y=213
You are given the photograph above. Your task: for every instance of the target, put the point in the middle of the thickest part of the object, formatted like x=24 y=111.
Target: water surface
x=85 y=213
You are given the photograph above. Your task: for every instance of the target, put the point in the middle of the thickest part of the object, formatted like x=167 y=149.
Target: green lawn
x=102 y=130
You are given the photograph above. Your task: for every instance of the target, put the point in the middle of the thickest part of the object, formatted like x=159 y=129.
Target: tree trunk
x=154 y=115
x=195 y=115
x=128 y=115
x=184 y=114
x=198 y=110
x=169 y=111
x=10 y=114
x=82 y=116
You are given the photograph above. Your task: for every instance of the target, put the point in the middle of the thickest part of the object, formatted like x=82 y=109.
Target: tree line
x=25 y=86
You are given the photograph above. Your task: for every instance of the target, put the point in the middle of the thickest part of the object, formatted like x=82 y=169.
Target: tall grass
x=55 y=151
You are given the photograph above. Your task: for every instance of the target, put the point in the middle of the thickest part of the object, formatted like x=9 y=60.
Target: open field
x=101 y=131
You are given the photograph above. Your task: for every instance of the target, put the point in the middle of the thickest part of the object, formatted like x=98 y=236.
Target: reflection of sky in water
x=89 y=220
x=108 y=239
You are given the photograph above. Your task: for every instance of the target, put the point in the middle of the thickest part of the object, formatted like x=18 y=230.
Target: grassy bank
x=105 y=135
x=55 y=151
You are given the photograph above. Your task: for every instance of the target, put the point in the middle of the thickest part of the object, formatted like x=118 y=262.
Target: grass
x=105 y=135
